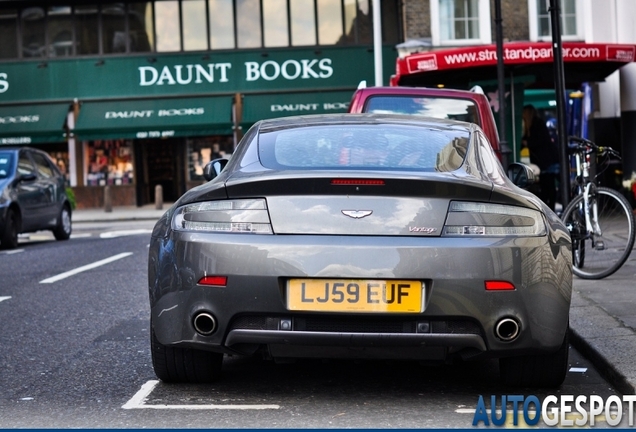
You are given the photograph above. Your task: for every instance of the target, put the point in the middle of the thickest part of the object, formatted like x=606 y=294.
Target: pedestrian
x=543 y=153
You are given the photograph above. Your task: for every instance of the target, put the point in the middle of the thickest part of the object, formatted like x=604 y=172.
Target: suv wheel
x=63 y=229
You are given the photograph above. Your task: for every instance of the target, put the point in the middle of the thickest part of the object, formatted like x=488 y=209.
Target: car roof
x=364 y=118
x=421 y=91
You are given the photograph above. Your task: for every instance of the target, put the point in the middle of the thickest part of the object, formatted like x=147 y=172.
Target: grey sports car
x=361 y=236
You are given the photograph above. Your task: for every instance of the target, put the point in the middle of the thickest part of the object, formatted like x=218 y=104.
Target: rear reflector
x=357 y=182
x=213 y=280
x=499 y=286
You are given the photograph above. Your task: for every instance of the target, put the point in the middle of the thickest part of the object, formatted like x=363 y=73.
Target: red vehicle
x=464 y=105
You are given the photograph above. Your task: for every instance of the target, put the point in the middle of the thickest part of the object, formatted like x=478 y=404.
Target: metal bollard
x=108 y=200
x=159 y=197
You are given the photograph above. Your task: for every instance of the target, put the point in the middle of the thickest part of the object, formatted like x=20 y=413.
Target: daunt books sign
x=188 y=74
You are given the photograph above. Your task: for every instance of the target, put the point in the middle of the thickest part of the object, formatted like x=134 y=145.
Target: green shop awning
x=30 y=124
x=155 y=118
x=265 y=106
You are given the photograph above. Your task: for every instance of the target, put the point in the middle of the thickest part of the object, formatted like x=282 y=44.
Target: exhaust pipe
x=507 y=329
x=204 y=323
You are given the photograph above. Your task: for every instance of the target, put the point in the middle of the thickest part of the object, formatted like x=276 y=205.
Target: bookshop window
x=203 y=150
x=109 y=162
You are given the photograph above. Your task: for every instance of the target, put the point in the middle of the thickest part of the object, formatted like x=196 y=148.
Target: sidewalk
x=602 y=316
x=603 y=324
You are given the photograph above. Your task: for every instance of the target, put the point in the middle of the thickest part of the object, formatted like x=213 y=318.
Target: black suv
x=32 y=196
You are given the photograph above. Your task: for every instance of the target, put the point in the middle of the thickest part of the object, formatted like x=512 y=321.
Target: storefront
x=136 y=122
x=527 y=65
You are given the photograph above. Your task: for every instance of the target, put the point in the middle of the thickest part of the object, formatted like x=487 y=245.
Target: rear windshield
x=443 y=108
x=385 y=147
x=5 y=164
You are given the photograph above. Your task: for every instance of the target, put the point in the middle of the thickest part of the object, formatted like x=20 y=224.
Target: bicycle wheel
x=594 y=256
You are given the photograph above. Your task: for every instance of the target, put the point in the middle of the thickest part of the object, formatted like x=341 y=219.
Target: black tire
x=184 y=365
x=9 y=235
x=543 y=370
x=616 y=219
x=64 y=227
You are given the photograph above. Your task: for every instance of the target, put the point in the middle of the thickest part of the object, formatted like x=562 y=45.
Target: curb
x=605 y=368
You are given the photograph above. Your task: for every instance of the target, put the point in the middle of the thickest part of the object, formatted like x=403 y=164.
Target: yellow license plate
x=347 y=295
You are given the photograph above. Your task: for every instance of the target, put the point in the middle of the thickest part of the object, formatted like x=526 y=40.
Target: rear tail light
x=227 y=216
x=474 y=219
x=357 y=182
x=499 y=286
x=213 y=281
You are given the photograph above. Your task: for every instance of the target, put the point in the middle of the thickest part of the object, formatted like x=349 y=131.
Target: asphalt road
x=74 y=353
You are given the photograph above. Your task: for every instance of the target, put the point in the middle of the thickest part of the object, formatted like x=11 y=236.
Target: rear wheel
x=543 y=370
x=63 y=229
x=9 y=235
x=184 y=365
x=598 y=256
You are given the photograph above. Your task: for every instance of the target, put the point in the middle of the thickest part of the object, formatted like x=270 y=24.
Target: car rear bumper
x=459 y=315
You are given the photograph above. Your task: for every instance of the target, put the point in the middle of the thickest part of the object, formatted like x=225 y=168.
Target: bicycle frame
x=583 y=163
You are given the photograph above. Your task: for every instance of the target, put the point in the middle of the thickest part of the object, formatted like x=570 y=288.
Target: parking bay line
x=138 y=401
x=86 y=267
x=4 y=298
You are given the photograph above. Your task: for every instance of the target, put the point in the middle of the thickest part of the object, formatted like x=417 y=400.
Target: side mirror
x=521 y=175
x=213 y=168
x=27 y=177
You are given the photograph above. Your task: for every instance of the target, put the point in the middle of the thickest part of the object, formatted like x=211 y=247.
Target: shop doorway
x=161 y=163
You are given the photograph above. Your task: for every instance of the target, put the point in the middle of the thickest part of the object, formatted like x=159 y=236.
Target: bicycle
x=600 y=219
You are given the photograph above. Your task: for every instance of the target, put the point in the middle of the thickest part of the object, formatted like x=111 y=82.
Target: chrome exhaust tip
x=204 y=323
x=507 y=329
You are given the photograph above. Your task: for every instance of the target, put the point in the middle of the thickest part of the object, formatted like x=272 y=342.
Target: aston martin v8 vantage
x=361 y=236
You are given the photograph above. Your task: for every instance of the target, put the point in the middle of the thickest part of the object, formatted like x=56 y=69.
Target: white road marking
x=4 y=298
x=578 y=370
x=121 y=233
x=138 y=401
x=86 y=267
x=81 y=235
x=14 y=251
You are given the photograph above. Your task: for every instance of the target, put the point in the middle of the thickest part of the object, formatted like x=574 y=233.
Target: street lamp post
x=559 y=80
x=377 y=42
x=501 y=90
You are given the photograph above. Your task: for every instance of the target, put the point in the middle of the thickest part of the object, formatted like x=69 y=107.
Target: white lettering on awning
x=128 y=114
x=181 y=112
x=155 y=134
x=20 y=119
x=294 y=107
x=4 y=83
x=16 y=140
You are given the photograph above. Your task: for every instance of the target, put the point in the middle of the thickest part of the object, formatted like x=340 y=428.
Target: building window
x=303 y=22
x=87 y=29
x=195 y=37
x=108 y=162
x=167 y=26
x=329 y=22
x=571 y=21
x=221 y=24
x=141 y=27
x=32 y=25
x=8 y=34
x=248 y=23
x=275 y=29
x=460 y=22
x=114 y=34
